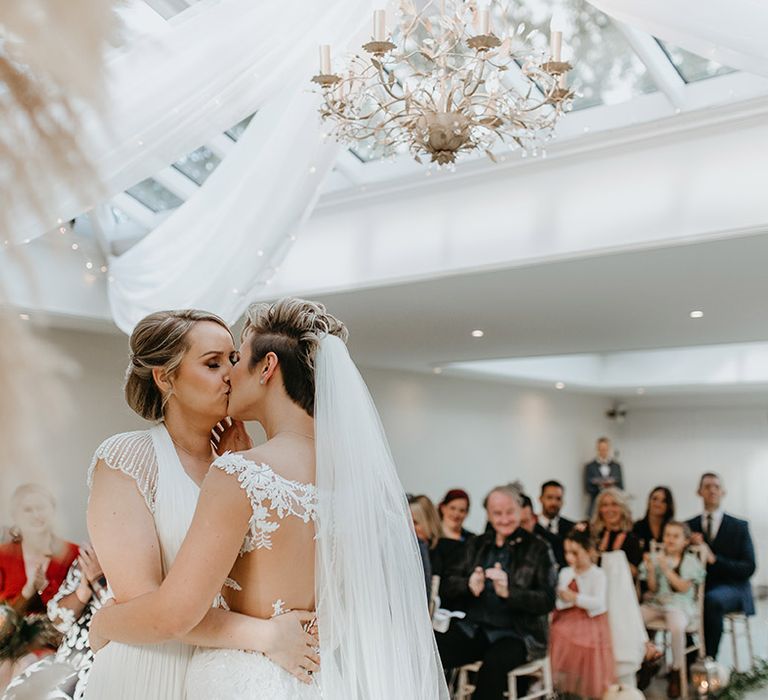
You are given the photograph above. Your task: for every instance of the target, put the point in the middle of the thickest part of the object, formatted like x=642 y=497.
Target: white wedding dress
x=152 y=671
x=229 y=674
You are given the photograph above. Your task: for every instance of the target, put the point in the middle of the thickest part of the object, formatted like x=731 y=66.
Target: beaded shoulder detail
x=133 y=454
x=270 y=494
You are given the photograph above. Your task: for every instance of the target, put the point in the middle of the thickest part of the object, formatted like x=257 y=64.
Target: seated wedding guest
x=530 y=522
x=452 y=510
x=580 y=645
x=33 y=568
x=660 y=510
x=730 y=560
x=672 y=576
x=612 y=527
x=428 y=532
x=550 y=520
x=506 y=584
x=602 y=472
x=70 y=611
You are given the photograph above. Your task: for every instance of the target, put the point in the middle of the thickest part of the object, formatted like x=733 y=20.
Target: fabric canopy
x=732 y=33
x=228 y=238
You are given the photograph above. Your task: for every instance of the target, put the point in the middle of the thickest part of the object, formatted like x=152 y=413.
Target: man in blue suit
x=730 y=560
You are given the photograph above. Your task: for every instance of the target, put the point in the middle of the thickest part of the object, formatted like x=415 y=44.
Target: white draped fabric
x=732 y=33
x=226 y=239
x=184 y=82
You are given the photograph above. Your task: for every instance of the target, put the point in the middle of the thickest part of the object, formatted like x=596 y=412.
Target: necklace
x=186 y=451
x=293 y=432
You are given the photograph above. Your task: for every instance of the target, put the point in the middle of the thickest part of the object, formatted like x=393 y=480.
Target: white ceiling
x=619 y=302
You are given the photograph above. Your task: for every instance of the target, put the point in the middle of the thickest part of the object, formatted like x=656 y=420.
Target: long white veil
x=376 y=640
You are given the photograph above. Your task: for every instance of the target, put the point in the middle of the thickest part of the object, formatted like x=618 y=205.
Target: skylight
x=154 y=196
x=692 y=67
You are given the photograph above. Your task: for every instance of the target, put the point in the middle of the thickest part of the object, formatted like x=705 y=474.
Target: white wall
x=673 y=446
x=447 y=432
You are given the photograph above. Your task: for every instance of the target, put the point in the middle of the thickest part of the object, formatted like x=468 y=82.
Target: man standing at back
x=602 y=472
x=730 y=560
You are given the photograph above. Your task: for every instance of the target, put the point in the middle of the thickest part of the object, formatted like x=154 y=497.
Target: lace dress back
x=273 y=574
x=156 y=671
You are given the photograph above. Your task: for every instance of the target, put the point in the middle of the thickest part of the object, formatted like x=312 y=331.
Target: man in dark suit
x=529 y=522
x=730 y=560
x=551 y=525
x=602 y=472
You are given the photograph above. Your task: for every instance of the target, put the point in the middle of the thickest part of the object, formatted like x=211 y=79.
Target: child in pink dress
x=580 y=646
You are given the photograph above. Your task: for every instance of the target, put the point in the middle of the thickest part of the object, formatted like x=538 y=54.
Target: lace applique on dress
x=268 y=492
x=133 y=454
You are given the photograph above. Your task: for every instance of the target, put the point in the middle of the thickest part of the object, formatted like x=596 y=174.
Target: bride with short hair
x=313 y=518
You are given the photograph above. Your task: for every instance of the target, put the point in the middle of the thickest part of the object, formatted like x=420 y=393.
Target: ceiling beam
x=662 y=71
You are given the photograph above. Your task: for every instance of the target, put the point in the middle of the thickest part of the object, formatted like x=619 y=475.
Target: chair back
x=433 y=598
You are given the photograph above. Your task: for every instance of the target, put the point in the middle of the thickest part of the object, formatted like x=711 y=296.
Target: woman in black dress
x=660 y=510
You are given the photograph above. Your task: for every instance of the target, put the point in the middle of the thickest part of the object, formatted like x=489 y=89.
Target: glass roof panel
x=606 y=68
x=237 y=130
x=154 y=196
x=692 y=67
x=198 y=165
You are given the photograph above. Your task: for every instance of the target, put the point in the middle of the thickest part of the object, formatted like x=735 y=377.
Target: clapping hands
x=477 y=581
x=496 y=575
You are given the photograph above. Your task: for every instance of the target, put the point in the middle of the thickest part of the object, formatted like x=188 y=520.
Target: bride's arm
x=123 y=534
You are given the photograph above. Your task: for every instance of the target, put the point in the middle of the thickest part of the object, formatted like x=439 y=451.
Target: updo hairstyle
x=159 y=340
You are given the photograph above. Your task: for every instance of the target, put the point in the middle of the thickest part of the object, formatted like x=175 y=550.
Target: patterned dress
x=64 y=675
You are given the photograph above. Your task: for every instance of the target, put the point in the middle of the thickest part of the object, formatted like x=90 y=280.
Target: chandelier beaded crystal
x=446 y=82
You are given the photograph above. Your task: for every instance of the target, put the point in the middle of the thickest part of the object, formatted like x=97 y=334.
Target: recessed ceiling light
x=559 y=385
x=697 y=314
x=640 y=391
x=24 y=317
x=437 y=370
x=477 y=334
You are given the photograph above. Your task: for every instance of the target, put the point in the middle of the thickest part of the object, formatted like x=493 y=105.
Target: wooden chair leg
x=734 y=643
x=749 y=643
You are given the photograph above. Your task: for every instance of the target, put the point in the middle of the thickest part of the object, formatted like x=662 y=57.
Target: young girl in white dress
x=144 y=490
x=291 y=524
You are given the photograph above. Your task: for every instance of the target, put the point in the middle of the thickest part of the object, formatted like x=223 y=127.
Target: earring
x=261 y=381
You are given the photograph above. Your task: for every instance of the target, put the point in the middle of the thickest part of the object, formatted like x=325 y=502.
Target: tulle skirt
x=581 y=653
x=228 y=674
x=149 y=672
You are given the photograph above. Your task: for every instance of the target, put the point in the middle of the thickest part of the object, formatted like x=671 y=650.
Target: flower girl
x=580 y=638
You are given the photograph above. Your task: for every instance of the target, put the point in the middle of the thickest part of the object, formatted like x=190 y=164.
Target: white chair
x=695 y=628
x=539 y=669
x=729 y=627
x=434 y=598
x=463 y=689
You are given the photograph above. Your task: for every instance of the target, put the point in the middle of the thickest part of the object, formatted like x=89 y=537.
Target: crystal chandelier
x=446 y=82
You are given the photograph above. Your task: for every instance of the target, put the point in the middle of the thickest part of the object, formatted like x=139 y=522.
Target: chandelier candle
x=439 y=85
x=485 y=22
x=557 y=45
x=380 y=25
x=325 y=59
